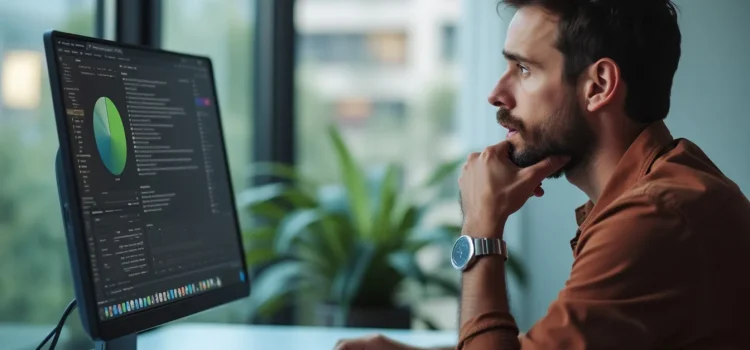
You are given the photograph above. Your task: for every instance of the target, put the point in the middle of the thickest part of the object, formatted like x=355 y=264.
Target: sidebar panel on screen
x=151 y=174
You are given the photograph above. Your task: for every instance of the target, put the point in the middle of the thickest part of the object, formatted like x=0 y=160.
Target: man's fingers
x=472 y=156
x=539 y=191
x=371 y=342
x=499 y=150
x=342 y=344
x=350 y=344
x=545 y=168
x=493 y=151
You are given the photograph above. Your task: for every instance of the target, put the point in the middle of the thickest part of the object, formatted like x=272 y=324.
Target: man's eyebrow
x=512 y=56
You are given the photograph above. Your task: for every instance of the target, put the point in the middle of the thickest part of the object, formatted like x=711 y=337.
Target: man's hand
x=375 y=342
x=493 y=188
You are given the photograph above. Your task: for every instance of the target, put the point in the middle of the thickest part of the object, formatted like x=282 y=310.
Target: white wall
x=709 y=107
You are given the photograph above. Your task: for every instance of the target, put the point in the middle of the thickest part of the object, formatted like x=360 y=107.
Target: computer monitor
x=145 y=190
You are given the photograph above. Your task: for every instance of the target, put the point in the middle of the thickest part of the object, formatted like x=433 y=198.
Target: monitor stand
x=128 y=342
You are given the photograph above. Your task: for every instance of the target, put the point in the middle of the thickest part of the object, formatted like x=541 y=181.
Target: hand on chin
x=493 y=187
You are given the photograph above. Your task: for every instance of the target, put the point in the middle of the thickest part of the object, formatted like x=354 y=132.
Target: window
x=223 y=31
x=387 y=48
x=35 y=278
x=408 y=111
x=376 y=70
x=449 y=43
x=365 y=48
x=356 y=112
x=332 y=48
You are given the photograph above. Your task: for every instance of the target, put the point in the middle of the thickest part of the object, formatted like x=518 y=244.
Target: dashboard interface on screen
x=151 y=174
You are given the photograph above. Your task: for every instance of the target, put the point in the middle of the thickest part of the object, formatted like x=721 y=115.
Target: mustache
x=506 y=119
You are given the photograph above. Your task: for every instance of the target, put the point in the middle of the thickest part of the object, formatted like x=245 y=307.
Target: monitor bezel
x=73 y=217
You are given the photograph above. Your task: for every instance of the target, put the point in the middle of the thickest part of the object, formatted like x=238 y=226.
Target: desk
x=199 y=336
x=17 y=336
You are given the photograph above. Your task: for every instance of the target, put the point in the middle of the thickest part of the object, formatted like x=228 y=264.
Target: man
x=663 y=245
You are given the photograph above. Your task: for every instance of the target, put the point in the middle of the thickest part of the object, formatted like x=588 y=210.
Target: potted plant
x=349 y=246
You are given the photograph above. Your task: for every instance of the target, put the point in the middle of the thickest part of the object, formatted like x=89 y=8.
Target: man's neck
x=592 y=176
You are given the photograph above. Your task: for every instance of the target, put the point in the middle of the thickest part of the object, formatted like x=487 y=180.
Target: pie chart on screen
x=109 y=133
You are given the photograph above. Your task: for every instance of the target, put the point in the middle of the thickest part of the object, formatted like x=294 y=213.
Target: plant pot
x=391 y=318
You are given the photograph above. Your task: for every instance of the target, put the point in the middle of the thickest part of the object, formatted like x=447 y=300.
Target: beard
x=565 y=133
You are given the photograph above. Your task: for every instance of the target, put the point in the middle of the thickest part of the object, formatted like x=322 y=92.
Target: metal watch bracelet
x=490 y=246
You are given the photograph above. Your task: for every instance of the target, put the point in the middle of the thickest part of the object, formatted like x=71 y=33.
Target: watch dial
x=461 y=252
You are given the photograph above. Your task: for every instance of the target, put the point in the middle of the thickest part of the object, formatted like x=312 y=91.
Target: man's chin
x=525 y=159
x=558 y=174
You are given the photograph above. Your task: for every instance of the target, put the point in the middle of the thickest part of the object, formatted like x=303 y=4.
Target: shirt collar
x=633 y=165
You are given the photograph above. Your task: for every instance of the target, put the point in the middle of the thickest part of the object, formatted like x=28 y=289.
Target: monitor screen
x=151 y=175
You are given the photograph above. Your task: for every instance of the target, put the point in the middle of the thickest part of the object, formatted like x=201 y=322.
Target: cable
x=55 y=333
x=58 y=329
x=46 y=339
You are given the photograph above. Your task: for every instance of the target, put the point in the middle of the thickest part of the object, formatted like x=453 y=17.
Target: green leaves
x=316 y=230
x=261 y=194
x=355 y=184
x=295 y=225
x=409 y=219
x=282 y=171
x=276 y=281
x=261 y=200
x=347 y=282
x=443 y=170
x=383 y=231
x=441 y=235
x=350 y=243
x=406 y=263
x=259 y=243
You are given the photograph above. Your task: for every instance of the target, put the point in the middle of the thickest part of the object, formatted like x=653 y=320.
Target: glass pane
x=223 y=31
x=35 y=279
x=225 y=35
x=385 y=74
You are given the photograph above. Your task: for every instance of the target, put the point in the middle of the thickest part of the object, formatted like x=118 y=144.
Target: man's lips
x=511 y=128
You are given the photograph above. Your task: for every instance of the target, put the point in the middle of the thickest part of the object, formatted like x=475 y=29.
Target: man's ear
x=601 y=84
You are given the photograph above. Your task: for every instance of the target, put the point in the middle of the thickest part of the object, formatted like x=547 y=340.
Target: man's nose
x=500 y=96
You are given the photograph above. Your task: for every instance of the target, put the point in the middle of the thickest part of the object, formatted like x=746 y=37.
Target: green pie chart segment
x=109 y=133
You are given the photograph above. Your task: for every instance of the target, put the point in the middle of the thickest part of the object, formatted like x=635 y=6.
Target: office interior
x=401 y=83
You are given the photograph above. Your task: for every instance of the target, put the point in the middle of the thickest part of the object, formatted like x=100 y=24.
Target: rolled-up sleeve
x=490 y=330
x=627 y=288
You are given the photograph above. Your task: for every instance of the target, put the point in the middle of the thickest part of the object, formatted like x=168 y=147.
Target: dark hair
x=641 y=36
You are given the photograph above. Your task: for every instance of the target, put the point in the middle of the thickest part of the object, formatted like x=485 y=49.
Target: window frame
x=138 y=22
x=274 y=87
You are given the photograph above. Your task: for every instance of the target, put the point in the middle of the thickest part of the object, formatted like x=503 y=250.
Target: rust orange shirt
x=661 y=261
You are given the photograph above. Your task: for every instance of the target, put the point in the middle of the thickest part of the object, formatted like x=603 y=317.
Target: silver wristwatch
x=467 y=249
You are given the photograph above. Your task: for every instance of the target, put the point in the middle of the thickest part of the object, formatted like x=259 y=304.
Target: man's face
x=541 y=111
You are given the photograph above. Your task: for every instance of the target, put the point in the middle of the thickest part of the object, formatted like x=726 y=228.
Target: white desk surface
x=199 y=336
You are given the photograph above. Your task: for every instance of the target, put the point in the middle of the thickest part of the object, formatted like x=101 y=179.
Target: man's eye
x=522 y=69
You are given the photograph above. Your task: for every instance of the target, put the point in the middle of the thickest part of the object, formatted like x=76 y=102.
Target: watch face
x=463 y=250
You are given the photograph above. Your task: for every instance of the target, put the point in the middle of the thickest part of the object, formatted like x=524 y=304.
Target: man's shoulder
x=686 y=181
x=647 y=207
x=683 y=190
